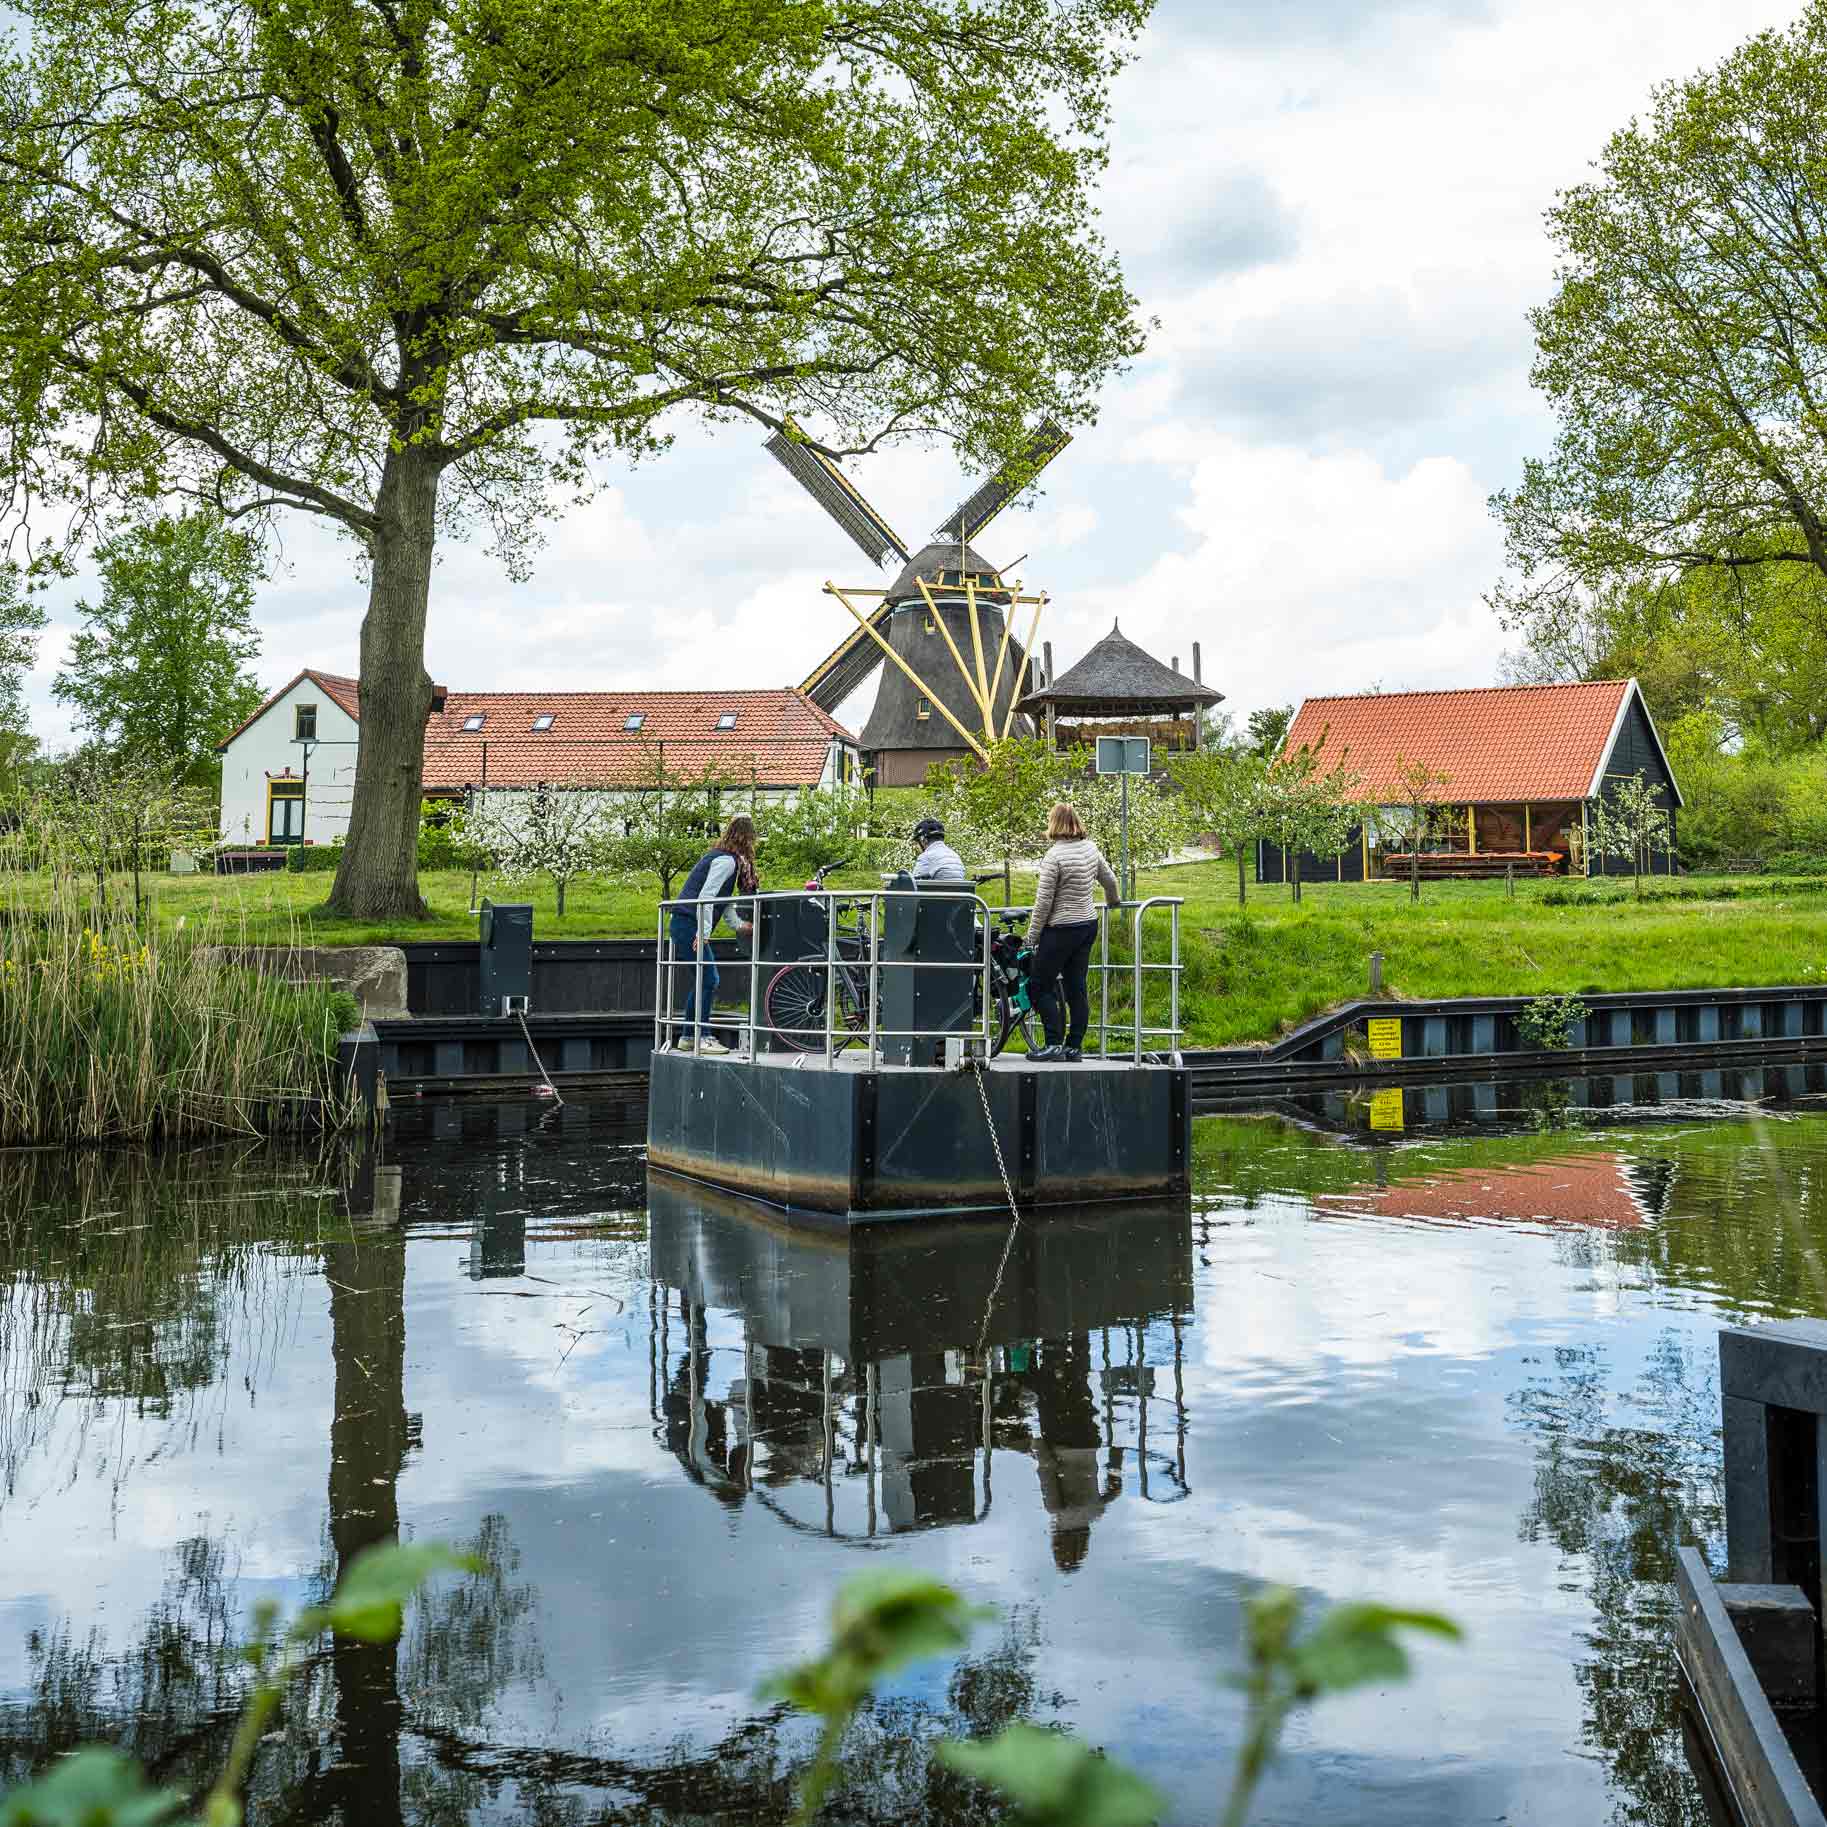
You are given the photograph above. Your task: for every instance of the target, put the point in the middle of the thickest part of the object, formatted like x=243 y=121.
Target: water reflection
x=882 y=1370
x=1469 y=1366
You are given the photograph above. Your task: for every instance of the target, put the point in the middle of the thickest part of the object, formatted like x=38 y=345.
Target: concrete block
x=1777 y=1627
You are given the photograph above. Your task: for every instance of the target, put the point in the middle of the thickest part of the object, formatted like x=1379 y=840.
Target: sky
x=1334 y=209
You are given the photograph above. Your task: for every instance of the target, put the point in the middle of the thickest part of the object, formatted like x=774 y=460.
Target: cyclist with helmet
x=937 y=864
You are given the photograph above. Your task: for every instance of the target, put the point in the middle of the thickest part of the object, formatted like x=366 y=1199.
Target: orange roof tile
x=780 y=738
x=1501 y=744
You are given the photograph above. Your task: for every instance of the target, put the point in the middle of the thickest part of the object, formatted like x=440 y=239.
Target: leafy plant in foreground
x=101 y=1787
x=1350 y=1646
x=883 y=1621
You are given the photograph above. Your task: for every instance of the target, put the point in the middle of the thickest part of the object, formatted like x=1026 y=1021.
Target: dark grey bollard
x=1776 y=1626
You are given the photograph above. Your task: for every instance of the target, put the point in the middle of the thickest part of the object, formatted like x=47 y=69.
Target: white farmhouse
x=288 y=773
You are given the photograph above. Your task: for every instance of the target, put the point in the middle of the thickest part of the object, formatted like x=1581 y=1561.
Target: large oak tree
x=411 y=265
x=1685 y=349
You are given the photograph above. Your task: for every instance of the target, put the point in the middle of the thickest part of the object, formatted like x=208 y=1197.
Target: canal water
x=1455 y=1350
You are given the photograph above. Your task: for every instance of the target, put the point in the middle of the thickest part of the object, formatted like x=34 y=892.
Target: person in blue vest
x=716 y=879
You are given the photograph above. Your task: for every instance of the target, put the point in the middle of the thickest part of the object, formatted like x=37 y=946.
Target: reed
x=110 y=1032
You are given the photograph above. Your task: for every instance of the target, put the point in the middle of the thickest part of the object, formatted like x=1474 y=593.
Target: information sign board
x=1122 y=754
x=1385 y=1036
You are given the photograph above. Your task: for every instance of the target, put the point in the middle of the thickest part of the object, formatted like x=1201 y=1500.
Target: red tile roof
x=780 y=738
x=346 y=693
x=1503 y=744
x=1584 y=1189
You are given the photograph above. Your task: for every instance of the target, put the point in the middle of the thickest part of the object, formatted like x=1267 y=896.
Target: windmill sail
x=983 y=504
x=838 y=496
x=844 y=669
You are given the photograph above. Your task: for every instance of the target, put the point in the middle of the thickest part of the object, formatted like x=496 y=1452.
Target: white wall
x=266 y=748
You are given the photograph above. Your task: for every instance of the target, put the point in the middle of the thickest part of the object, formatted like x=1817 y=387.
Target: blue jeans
x=684 y=931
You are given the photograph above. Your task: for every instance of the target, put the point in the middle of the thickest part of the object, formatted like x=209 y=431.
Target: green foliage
x=1350 y=1646
x=416 y=268
x=1548 y=1022
x=370 y=1599
x=113 y=1034
x=670 y=823
x=1679 y=350
x=318 y=859
x=1302 y=806
x=94 y=1787
x=1628 y=820
x=826 y=825
x=879 y=1623
x=21 y=622
x=445 y=841
x=1221 y=796
x=1420 y=811
x=1157 y=820
x=1267 y=729
x=1056 y=1780
x=159 y=667
x=998 y=810
x=883 y=1621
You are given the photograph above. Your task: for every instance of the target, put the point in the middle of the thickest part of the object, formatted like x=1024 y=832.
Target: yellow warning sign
x=1386 y=1108
x=1385 y=1036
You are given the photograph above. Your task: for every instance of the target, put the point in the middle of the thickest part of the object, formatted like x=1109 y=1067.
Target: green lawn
x=1251 y=973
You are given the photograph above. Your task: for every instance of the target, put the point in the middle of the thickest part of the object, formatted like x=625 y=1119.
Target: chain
x=989 y=1306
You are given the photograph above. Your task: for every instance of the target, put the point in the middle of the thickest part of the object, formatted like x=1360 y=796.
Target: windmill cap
x=935 y=562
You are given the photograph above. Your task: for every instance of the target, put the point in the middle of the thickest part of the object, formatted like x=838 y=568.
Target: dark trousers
x=684 y=930
x=1062 y=959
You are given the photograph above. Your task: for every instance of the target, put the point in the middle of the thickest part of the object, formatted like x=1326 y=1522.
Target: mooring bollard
x=1376 y=973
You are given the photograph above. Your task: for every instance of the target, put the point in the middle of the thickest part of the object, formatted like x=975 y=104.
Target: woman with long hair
x=720 y=875
x=1061 y=931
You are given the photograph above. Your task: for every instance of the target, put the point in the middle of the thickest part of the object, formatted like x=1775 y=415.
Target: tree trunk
x=1242 y=893
x=378 y=875
x=1414 y=873
x=561 y=897
x=1008 y=882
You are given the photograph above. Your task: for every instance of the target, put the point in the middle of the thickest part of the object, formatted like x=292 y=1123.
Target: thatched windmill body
x=944 y=631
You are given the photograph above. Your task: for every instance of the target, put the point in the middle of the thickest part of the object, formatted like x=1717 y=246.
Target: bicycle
x=796 y=994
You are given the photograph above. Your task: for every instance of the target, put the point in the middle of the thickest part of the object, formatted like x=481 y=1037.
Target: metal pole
x=1173 y=978
x=875 y=905
x=830 y=967
x=1127 y=885
x=754 y=969
x=1135 y=964
x=699 y=940
x=1103 y=983
x=662 y=978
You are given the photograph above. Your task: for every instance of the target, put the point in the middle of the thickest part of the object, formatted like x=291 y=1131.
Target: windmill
x=942 y=630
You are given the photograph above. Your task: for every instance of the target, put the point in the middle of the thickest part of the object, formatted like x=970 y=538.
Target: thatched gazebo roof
x=1117 y=679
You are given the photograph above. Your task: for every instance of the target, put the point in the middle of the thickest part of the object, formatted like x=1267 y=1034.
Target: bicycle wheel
x=795 y=1004
x=1011 y=1021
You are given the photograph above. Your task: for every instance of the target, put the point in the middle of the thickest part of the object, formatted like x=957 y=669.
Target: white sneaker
x=710 y=1044
x=682 y=1046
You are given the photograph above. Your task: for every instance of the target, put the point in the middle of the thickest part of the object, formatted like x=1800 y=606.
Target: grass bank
x=1251 y=973
x=111 y=1034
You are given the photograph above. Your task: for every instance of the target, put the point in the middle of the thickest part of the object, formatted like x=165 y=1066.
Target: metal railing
x=854 y=971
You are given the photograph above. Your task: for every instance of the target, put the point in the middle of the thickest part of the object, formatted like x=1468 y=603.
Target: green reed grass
x=110 y=1032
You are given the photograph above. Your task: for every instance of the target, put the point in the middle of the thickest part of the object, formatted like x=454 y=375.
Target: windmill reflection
x=864 y=1383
